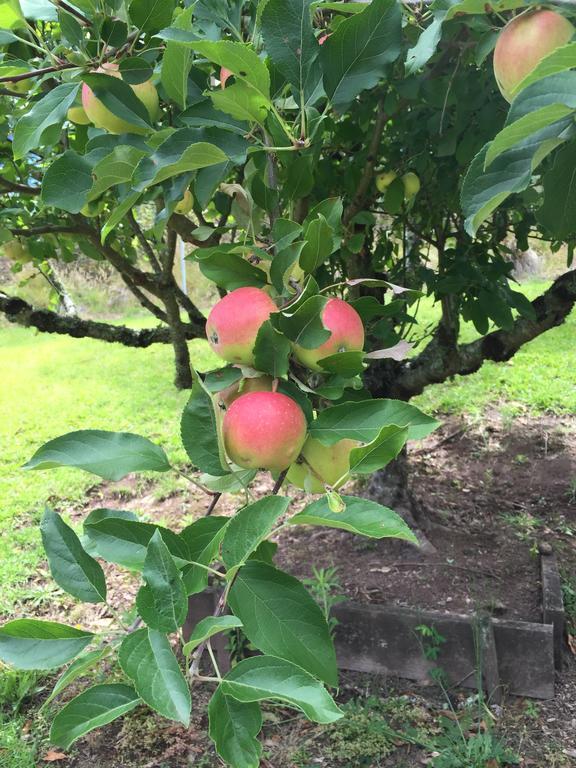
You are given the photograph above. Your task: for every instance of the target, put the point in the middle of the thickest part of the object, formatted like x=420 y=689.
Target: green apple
x=411 y=185
x=320 y=465
x=384 y=179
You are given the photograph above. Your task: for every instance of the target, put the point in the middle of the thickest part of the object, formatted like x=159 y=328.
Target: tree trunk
x=183 y=378
x=391 y=488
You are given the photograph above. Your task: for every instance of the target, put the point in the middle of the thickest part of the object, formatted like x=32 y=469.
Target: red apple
x=224 y=75
x=347 y=334
x=234 y=322
x=323 y=465
x=102 y=117
x=524 y=42
x=264 y=430
x=257 y=384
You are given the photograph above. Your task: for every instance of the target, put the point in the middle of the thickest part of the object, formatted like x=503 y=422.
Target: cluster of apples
x=92 y=110
x=266 y=429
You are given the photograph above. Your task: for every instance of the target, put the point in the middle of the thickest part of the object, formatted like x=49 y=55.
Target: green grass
x=52 y=385
x=539 y=378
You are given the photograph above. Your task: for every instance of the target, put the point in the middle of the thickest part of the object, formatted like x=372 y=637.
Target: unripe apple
x=15 y=250
x=347 y=334
x=21 y=86
x=264 y=430
x=411 y=185
x=323 y=465
x=234 y=322
x=102 y=117
x=524 y=42
x=78 y=116
x=257 y=384
x=384 y=179
x=184 y=206
x=224 y=75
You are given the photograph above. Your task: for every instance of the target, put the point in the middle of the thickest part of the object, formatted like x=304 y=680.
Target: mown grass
x=54 y=384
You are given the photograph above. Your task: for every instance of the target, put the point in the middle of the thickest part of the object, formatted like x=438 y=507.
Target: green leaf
x=233 y=729
x=116 y=168
x=208 y=627
x=125 y=542
x=199 y=431
x=110 y=455
x=92 y=709
x=250 y=527
x=280 y=618
x=120 y=99
x=135 y=70
x=34 y=644
x=163 y=602
x=355 y=57
x=268 y=677
x=203 y=539
x=45 y=114
x=203 y=115
x=381 y=451
x=290 y=43
x=361 y=516
x=420 y=54
x=318 y=245
x=67 y=182
x=304 y=324
x=483 y=191
x=148 y=660
x=176 y=155
x=364 y=420
x=558 y=213
x=229 y=483
x=559 y=60
x=151 y=15
x=239 y=58
x=77 y=669
x=71 y=567
x=521 y=129
x=229 y=270
x=346 y=364
x=177 y=63
x=272 y=351
x=119 y=212
x=242 y=102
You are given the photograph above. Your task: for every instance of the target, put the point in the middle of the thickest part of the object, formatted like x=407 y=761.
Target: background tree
x=403 y=106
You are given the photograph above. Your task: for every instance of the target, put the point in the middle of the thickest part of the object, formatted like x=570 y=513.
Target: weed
x=524 y=523
x=569 y=596
x=325 y=588
x=16 y=686
x=475 y=751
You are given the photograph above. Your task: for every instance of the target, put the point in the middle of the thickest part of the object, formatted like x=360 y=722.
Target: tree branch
x=185 y=228
x=435 y=364
x=39 y=72
x=148 y=250
x=20 y=312
x=368 y=174
x=22 y=189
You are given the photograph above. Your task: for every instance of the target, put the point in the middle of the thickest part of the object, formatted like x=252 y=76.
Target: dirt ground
x=492 y=490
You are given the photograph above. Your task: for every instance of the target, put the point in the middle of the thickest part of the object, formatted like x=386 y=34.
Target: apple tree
x=331 y=163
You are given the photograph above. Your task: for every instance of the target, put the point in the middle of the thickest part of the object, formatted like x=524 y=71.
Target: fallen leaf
x=51 y=756
x=572 y=643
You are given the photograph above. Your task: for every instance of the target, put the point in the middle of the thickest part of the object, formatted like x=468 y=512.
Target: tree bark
x=183 y=378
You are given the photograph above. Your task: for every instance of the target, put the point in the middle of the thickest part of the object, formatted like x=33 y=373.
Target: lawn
x=55 y=384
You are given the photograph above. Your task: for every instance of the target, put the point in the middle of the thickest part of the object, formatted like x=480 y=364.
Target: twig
x=440 y=443
x=371 y=160
x=219 y=610
x=73 y=12
x=38 y=72
x=212 y=506
x=144 y=242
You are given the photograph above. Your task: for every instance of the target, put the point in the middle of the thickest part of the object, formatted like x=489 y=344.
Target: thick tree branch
x=20 y=312
x=368 y=174
x=185 y=228
x=22 y=189
x=438 y=363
